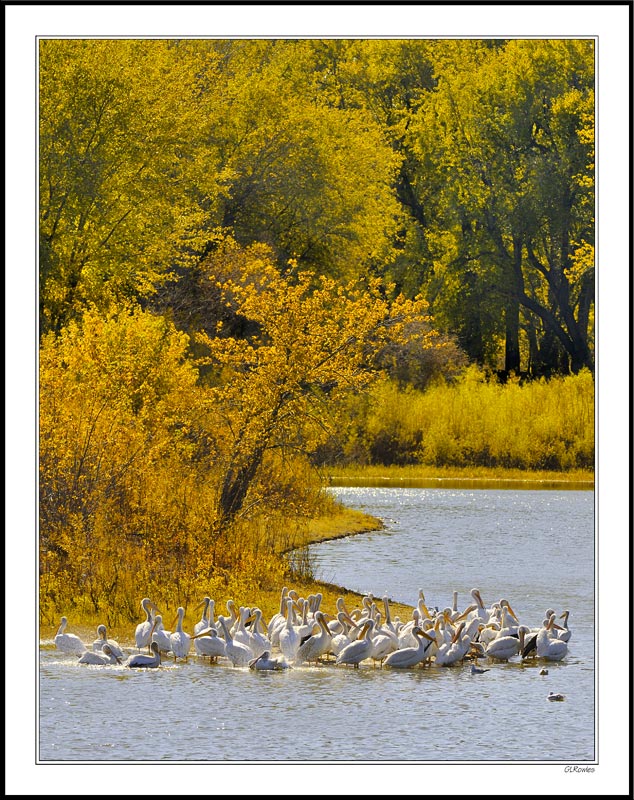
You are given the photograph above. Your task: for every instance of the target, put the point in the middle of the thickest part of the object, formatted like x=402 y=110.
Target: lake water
x=536 y=548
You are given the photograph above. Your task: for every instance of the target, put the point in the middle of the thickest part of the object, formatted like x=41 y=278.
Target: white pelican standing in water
x=160 y=635
x=239 y=654
x=316 y=645
x=384 y=640
x=107 y=656
x=290 y=639
x=240 y=632
x=141 y=660
x=343 y=639
x=210 y=644
x=455 y=650
x=98 y=644
x=359 y=650
x=278 y=620
x=259 y=641
x=547 y=645
x=203 y=622
x=482 y=611
x=411 y=656
x=565 y=634
x=143 y=632
x=180 y=642
x=504 y=647
x=68 y=642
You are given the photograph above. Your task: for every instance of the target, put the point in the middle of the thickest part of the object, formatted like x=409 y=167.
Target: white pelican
x=566 y=633
x=259 y=641
x=233 y=615
x=316 y=645
x=455 y=613
x=160 y=635
x=314 y=602
x=547 y=645
x=335 y=625
x=180 y=642
x=240 y=633
x=265 y=662
x=305 y=627
x=488 y=633
x=384 y=641
x=210 y=644
x=411 y=656
x=405 y=634
x=343 y=639
x=68 y=642
x=141 y=660
x=107 y=656
x=509 y=623
x=203 y=622
x=239 y=654
x=98 y=644
x=290 y=638
x=455 y=650
x=504 y=647
x=481 y=610
x=143 y=632
x=387 y=623
x=278 y=620
x=359 y=650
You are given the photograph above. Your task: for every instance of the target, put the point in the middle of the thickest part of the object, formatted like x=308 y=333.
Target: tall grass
x=540 y=425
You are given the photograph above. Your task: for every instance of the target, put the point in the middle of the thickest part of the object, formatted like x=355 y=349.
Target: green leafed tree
x=509 y=130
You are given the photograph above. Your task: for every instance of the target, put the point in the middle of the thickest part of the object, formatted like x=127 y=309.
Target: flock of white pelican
x=302 y=633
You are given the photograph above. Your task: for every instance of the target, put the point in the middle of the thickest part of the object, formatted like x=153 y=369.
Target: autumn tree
x=312 y=341
x=509 y=131
x=122 y=448
x=312 y=181
x=126 y=185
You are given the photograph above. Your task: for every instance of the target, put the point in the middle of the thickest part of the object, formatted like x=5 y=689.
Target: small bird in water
x=543 y=671
x=478 y=670
x=556 y=697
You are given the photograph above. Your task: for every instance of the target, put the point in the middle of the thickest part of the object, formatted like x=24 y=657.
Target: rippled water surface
x=535 y=548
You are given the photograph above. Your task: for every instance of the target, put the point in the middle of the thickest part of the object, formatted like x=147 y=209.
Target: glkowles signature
x=577 y=768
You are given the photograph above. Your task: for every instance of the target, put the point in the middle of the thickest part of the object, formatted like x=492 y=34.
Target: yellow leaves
x=582 y=261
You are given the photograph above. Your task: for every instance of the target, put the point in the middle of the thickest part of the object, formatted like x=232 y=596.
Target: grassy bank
x=484 y=477
x=337 y=524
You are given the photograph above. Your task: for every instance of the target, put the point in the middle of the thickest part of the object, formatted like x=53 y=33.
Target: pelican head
x=204 y=602
x=505 y=604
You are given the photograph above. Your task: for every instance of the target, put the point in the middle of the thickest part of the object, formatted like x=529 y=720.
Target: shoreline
x=344 y=522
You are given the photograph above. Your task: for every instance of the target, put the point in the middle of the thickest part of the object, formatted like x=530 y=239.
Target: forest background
x=262 y=260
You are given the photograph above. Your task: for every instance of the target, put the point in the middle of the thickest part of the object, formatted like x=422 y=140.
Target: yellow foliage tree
x=311 y=341
x=120 y=449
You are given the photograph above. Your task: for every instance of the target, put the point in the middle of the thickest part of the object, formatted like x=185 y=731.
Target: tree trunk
x=512 y=313
x=236 y=486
